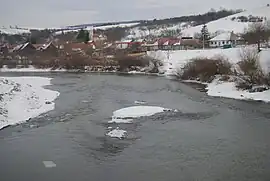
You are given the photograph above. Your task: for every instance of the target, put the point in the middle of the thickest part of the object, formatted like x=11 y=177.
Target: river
x=209 y=138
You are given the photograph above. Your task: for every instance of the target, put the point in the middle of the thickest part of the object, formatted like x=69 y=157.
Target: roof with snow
x=223 y=36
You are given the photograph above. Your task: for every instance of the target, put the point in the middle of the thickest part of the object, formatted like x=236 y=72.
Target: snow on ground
x=141 y=32
x=22 y=98
x=30 y=69
x=227 y=24
x=122 y=25
x=174 y=60
x=117 y=133
x=228 y=90
x=126 y=115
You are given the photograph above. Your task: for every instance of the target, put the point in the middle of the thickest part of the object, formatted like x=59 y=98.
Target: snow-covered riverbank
x=22 y=98
x=175 y=60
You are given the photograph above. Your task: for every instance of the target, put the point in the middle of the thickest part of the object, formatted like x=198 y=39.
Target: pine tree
x=205 y=36
x=81 y=35
x=86 y=37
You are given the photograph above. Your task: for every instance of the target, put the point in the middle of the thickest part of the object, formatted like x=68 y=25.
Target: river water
x=208 y=139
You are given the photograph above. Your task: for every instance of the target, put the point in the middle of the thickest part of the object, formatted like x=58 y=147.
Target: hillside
x=237 y=22
x=14 y=31
x=174 y=26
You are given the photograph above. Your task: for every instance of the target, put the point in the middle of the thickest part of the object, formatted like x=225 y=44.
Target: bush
x=42 y=63
x=73 y=62
x=205 y=69
x=250 y=67
x=1 y=63
x=125 y=61
x=12 y=64
x=243 y=83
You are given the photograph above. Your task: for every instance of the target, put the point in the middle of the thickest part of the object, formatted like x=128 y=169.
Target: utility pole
x=203 y=39
x=203 y=34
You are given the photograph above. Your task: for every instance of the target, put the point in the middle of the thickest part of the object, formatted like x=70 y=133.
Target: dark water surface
x=210 y=139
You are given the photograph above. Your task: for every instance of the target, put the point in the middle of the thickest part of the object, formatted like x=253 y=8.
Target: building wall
x=221 y=43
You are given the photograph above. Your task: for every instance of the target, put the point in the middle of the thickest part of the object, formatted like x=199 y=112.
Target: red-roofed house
x=173 y=44
x=133 y=45
x=168 y=43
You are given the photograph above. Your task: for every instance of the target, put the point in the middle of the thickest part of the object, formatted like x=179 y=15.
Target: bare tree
x=257 y=33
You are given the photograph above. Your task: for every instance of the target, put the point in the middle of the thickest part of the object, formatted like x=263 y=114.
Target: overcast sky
x=55 y=13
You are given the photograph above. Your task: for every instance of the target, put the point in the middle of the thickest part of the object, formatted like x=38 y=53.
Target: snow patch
x=117 y=133
x=49 y=164
x=139 y=102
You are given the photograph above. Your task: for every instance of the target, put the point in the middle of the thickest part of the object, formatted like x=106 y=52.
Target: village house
x=187 y=44
x=168 y=43
x=130 y=45
x=48 y=48
x=225 y=39
x=172 y=44
x=150 y=46
x=98 y=37
x=25 y=49
x=99 y=40
x=81 y=48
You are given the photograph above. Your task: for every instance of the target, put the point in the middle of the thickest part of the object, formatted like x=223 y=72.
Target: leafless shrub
x=44 y=63
x=1 y=63
x=252 y=73
x=125 y=61
x=205 y=69
x=11 y=64
x=73 y=61
x=250 y=66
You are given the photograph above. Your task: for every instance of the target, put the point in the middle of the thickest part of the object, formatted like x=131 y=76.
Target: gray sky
x=55 y=13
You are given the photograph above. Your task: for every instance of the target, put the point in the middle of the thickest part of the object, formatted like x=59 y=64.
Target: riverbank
x=214 y=88
x=23 y=98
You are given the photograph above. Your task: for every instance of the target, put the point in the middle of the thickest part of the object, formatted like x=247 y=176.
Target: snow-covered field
x=122 y=25
x=22 y=98
x=175 y=60
x=141 y=32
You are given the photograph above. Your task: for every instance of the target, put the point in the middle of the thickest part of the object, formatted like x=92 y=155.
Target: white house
x=227 y=38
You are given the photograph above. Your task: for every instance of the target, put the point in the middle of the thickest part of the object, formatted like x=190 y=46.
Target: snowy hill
x=157 y=30
x=231 y=23
x=100 y=27
x=14 y=31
